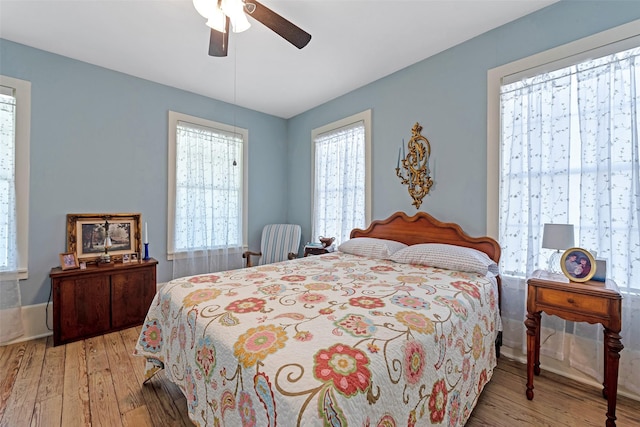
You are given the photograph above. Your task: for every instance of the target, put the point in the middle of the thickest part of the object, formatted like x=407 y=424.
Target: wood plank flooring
x=97 y=382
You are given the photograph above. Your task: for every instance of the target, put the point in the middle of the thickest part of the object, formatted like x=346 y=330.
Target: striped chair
x=279 y=242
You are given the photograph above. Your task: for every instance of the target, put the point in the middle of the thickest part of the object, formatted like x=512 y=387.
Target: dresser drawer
x=586 y=304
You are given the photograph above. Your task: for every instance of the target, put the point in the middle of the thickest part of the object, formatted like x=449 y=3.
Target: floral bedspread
x=330 y=340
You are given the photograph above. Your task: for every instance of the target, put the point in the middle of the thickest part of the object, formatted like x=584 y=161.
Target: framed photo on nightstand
x=578 y=264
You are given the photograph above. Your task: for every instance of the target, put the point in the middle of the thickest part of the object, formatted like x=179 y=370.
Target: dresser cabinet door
x=131 y=296
x=84 y=303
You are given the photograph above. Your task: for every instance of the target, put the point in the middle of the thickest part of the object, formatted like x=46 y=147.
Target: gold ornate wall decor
x=415 y=172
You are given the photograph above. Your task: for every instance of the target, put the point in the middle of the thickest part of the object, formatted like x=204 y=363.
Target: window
x=341 y=177
x=569 y=154
x=207 y=185
x=563 y=147
x=15 y=124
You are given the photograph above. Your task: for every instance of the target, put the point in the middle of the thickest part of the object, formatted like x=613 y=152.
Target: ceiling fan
x=222 y=14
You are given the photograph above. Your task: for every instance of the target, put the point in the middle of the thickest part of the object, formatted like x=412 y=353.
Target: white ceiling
x=354 y=42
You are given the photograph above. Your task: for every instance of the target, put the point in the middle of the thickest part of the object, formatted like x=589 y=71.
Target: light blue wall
x=447 y=95
x=99 y=144
x=99 y=138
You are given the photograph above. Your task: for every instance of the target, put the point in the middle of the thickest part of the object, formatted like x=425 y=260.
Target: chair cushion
x=278 y=240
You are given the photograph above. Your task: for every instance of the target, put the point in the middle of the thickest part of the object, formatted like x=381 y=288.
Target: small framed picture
x=125 y=258
x=601 y=270
x=134 y=257
x=83 y=265
x=68 y=260
x=578 y=264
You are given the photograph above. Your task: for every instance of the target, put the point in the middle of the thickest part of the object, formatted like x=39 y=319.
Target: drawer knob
x=570 y=300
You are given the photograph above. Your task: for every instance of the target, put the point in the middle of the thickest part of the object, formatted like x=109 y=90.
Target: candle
x=146 y=233
x=404 y=156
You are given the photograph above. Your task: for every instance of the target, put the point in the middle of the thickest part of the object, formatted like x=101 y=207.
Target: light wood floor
x=98 y=382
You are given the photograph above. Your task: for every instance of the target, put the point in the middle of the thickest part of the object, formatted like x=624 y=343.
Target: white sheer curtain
x=608 y=99
x=10 y=301
x=570 y=155
x=208 y=207
x=536 y=122
x=339 y=181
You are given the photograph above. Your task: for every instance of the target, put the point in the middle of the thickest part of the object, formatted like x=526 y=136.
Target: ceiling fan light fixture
x=234 y=14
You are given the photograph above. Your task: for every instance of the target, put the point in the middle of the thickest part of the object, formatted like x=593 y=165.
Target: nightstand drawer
x=586 y=304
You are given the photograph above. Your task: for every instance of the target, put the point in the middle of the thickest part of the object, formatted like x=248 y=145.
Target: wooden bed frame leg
x=498 y=343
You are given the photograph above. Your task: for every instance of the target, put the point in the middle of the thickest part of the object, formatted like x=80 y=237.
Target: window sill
x=22 y=274
x=238 y=250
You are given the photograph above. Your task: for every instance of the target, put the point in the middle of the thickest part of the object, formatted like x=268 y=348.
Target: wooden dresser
x=100 y=299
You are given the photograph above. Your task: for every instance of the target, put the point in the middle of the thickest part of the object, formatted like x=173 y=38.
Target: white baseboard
x=34 y=321
x=562 y=368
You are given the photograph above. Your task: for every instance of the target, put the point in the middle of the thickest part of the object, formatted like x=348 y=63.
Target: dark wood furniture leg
x=536 y=366
x=533 y=350
x=612 y=347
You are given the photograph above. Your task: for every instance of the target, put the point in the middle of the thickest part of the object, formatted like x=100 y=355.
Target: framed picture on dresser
x=68 y=260
x=86 y=235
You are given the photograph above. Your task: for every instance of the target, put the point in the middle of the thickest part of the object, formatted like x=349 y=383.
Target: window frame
x=600 y=44
x=174 y=118
x=365 y=117
x=22 y=93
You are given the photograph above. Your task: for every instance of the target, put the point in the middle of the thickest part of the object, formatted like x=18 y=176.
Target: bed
x=397 y=327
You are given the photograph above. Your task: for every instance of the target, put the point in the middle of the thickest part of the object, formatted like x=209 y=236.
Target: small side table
x=314 y=250
x=317 y=250
x=592 y=302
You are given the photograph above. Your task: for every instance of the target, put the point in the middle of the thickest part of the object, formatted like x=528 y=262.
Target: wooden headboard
x=423 y=228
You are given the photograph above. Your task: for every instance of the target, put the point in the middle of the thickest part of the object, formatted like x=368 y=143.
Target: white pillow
x=370 y=247
x=450 y=257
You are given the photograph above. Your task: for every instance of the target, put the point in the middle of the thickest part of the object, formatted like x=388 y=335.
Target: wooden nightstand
x=592 y=302
x=316 y=250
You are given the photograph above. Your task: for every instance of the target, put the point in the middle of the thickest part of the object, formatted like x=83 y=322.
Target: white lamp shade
x=210 y=10
x=234 y=9
x=217 y=21
x=240 y=23
x=558 y=236
x=205 y=7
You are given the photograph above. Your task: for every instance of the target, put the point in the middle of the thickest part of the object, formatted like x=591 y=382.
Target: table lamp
x=107 y=244
x=560 y=238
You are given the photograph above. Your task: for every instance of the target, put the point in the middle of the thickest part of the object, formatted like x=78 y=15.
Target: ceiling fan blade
x=284 y=28
x=219 y=42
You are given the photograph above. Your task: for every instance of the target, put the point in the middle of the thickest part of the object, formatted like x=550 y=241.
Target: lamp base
x=146 y=252
x=554 y=262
